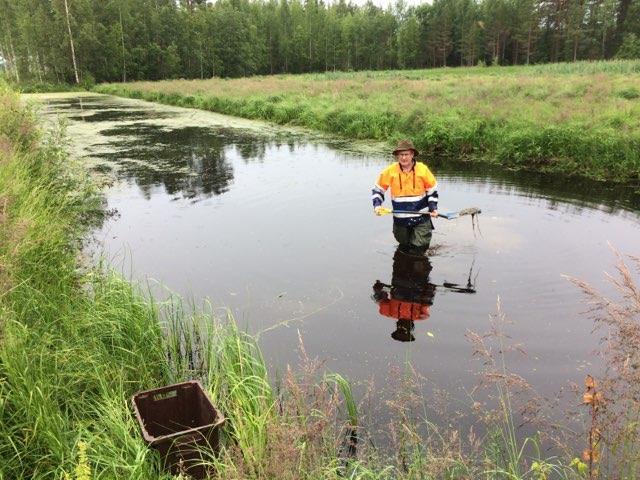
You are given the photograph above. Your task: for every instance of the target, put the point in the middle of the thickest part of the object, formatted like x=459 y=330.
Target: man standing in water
x=413 y=189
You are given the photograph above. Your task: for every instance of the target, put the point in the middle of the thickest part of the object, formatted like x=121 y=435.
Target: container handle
x=158 y=397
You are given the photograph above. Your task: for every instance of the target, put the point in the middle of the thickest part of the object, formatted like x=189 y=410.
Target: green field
x=577 y=119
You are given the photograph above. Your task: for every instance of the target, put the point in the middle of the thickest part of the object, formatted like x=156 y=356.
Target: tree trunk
x=4 y=55
x=310 y=56
x=73 y=51
x=124 y=57
x=529 y=45
x=40 y=70
x=355 y=58
x=29 y=62
x=14 y=62
x=622 y=17
x=334 y=55
x=462 y=49
x=326 y=53
x=270 y=53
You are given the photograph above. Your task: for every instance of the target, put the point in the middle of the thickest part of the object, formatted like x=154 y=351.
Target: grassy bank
x=581 y=118
x=77 y=341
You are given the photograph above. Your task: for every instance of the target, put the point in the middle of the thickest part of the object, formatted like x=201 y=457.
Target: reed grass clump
x=578 y=119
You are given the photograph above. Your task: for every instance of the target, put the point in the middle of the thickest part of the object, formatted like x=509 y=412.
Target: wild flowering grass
x=581 y=118
x=514 y=401
x=616 y=414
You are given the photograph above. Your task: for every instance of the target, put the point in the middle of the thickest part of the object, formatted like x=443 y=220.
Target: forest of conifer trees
x=86 y=41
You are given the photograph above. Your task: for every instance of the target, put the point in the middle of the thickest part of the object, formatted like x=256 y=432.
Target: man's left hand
x=434 y=213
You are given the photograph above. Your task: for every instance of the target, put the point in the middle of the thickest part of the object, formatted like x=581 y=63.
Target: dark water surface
x=277 y=226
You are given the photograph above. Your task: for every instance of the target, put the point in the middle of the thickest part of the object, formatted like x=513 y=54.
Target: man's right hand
x=378 y=210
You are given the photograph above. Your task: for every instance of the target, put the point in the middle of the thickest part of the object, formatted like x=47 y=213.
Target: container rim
x=153 y=439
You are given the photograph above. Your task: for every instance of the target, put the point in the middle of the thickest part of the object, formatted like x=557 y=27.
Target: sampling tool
x=449 y=215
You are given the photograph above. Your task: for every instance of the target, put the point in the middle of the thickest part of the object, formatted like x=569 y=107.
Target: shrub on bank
x=48 y=87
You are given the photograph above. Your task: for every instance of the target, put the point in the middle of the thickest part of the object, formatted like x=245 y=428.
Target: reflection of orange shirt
x=391 y=307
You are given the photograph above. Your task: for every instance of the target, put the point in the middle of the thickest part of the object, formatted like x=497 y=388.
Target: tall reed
x=75 y=341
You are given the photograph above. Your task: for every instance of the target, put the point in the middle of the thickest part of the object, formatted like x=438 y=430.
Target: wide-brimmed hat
x=405 y=145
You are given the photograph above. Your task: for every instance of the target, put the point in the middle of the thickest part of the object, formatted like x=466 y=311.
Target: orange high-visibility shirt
x=417 y=182
x=400 y=309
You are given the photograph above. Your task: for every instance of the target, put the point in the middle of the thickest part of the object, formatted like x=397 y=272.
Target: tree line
x=122 y=40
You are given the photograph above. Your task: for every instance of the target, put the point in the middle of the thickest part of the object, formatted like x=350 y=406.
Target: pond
x=275 y=225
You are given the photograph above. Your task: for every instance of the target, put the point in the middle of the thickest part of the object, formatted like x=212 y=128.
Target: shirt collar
x=412 y=167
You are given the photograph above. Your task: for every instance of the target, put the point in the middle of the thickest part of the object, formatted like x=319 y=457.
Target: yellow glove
x=381 y=211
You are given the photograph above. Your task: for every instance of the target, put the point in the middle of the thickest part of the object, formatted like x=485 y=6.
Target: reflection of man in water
x=410 y=294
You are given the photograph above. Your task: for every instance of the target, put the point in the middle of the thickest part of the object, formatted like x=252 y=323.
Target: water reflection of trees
x=252 y=150
x=79 y=103
x=190 y=161
x=561 y=192
x=113 y=115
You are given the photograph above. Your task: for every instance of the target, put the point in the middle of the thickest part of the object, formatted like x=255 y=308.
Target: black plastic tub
x=181 y=423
